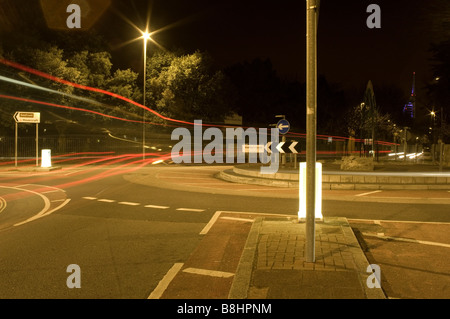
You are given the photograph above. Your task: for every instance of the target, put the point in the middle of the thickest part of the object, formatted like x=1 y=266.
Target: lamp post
x=312 y=19
x=146 y=37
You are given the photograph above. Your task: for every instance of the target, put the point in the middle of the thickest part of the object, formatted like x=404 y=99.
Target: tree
x=187 y=87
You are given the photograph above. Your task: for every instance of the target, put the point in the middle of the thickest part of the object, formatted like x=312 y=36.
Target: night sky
x=232 y=31
x=349 y=53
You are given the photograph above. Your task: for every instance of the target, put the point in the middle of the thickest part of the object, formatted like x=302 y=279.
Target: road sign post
x=27 y=117
x=283 y=128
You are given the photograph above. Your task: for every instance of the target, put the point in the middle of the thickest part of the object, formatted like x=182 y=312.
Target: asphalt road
x=126 y=228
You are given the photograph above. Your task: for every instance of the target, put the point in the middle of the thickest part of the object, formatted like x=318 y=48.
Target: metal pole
x=441 y=146
x=37 y=144
x=312 y=11
x=15 y=147
x=143 y=115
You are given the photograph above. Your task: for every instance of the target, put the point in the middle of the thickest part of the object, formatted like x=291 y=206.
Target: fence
x=80 y=145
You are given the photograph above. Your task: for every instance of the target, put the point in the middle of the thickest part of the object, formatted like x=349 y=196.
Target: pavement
x=274 y=266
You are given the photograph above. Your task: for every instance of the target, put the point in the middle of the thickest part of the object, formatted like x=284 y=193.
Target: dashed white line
x=107 y=200
x=157 y=207
x=129 y=203
x=190 y=209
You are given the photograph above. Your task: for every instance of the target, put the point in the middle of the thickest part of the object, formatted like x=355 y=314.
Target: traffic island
x=393 y=177
x=273 y=264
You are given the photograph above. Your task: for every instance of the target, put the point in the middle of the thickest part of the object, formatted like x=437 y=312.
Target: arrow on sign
x=267 y=147
x=284 y=147
x=279 y=147
x=292 y=147
x=282 y=127
x=27 y=117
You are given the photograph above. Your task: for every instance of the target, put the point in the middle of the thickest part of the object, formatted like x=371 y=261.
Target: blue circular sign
x=283 y=126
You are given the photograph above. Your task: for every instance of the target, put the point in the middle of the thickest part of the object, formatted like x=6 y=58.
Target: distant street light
x=145 y=36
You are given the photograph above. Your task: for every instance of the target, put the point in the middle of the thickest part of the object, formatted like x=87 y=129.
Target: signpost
x=27 y=117
x=283 y=127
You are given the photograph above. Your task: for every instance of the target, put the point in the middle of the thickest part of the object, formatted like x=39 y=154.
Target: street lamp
x=145 y=36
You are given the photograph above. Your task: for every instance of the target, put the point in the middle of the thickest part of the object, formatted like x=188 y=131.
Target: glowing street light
x=145 y=36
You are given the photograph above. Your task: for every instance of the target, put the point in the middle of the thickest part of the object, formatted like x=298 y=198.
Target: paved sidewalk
x=273 y=263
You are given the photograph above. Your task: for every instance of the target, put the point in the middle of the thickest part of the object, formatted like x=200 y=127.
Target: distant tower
x=409 y=110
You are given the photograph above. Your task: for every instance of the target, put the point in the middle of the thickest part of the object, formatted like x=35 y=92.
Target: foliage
x=187 y=87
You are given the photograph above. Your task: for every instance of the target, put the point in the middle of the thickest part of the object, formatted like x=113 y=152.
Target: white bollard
x=46 y=159
x=302 y=192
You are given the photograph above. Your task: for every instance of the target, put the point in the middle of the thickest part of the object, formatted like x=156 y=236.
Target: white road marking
x=157 y=207
x=397 y=221
x=58 y=200
x=72 y=172
x=52 y=191
x=178 y=177
x=368 y=193
x=107 y=200
x=238 y=219
x=217 y=214
x=44 y=198
x=90 y=198
x=43 y=215
x=3 y=204
x=210 y=223
x=129 y=203
x=206 y=272
x=190 y=209
x=164 y=283
x=409 y=240
x=189 y=173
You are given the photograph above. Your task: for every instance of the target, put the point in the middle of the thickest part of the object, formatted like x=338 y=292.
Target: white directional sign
x=27 y=117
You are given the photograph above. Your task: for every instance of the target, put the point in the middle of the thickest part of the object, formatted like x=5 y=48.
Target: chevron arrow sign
x=284 y=147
